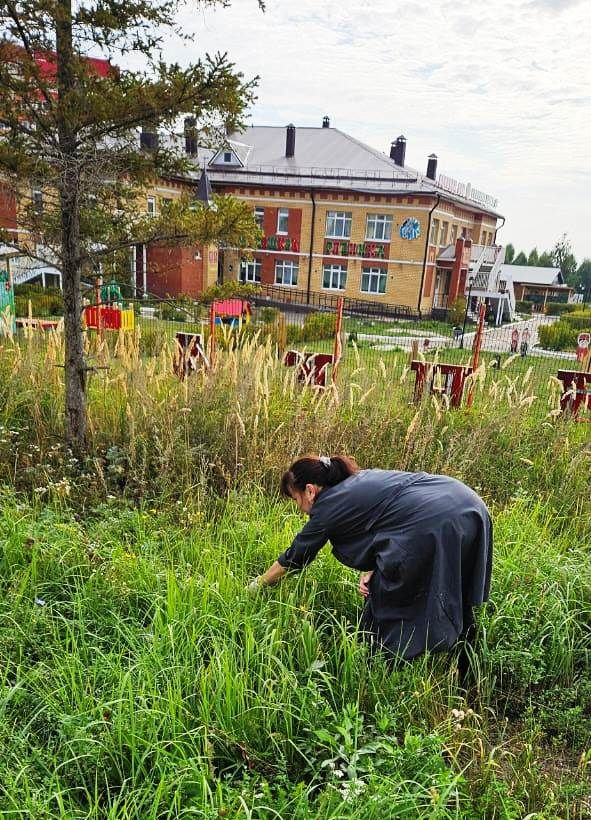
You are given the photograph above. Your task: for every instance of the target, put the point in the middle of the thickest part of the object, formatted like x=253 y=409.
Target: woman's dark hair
x=321 y=470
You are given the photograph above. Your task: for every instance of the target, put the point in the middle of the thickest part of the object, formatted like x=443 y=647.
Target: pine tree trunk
x=69 y=191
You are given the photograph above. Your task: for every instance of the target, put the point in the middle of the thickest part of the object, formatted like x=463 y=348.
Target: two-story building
x=339 y=216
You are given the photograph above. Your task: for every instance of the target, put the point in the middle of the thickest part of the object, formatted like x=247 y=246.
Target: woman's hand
x=364 y=583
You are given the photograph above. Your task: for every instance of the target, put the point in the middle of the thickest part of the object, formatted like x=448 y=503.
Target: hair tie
x=325 y=461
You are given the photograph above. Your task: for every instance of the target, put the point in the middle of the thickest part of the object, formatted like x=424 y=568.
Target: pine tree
x=69 y=127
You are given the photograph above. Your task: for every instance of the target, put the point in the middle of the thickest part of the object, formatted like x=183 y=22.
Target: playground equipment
x=7 y=313
x=189 y=354
x=312 y=368
x=233 y=312
x=108 y=312
x=576 y=394
x=442 y=380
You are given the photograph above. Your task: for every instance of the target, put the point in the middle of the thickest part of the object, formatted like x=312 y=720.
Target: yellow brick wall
x=404 y=278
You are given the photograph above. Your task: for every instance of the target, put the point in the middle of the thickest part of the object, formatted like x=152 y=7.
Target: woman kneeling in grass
x=423 y=543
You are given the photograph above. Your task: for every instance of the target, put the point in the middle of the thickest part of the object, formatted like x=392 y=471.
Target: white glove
x=254 y=585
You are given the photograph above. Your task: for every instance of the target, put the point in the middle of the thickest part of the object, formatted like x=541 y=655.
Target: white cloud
x=499 y=91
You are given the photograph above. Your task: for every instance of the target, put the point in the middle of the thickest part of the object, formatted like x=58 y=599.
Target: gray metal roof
x=532 y=275
x=326 y=158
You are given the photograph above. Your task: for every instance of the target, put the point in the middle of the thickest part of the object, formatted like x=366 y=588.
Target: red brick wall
x=7 y=208
x=172 y=271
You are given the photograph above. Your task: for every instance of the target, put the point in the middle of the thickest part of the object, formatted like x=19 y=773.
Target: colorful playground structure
x=233 y=312
x=108 y=312
x=7 y=313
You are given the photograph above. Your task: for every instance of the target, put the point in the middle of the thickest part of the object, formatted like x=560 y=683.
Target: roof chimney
x=326 y=121
x=398 y=150
x=149 y=138
x=290 y=141
x=432 y=166
x=190 y=135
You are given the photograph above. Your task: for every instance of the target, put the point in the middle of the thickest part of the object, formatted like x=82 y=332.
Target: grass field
x=140 y=679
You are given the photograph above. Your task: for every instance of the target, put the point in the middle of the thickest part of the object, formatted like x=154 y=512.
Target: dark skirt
x=410 y=629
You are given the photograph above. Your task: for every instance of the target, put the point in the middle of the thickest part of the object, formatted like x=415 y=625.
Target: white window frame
x=338 y=221
x=151 y=205
x=337 y=277
x=434 y=232
x=375 y=277
x=378 y=228
x=259 y=217
x=227 y=156
x=250 y=270
x=454 y=233
x=282 y=219
x=282 y=267
x=443 y=232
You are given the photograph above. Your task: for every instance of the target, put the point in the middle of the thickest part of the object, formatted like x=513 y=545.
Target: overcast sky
x=500 y=90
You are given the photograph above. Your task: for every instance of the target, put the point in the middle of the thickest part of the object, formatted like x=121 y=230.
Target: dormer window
x=227 y=156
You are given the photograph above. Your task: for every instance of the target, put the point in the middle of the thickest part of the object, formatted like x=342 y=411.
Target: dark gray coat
x=428 y=539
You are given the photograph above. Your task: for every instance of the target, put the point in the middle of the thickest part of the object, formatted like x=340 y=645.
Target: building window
x=338 y=224
x=373 y=280
x=454 y=233
x=286 y=272
x=227 y=156
x=250 y=270
x=282 y=220
x=443 y=234
x=334 y=277
x=259 y=217
x=379 y=227
x=434 y=232
x=38 y=202
x=152 y=206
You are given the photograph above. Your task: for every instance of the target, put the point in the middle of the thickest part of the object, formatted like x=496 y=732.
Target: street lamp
x=470 y=283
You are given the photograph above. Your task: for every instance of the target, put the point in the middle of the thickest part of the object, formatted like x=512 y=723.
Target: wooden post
x=212 y=339
x=476 y=351
x=338 y=340
x=281 y=333
x=414 y=351
x=97 y=298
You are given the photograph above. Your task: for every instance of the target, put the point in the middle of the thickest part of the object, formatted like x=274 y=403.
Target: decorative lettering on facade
x=279 y=243
x=368 y=250
x=466 y=190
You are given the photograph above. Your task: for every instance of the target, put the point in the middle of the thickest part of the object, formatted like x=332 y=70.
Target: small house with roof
x=537 y=285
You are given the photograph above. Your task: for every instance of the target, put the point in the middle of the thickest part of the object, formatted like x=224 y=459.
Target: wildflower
x=40 y=602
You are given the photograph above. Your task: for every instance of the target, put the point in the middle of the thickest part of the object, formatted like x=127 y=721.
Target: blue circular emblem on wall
x=410 y=228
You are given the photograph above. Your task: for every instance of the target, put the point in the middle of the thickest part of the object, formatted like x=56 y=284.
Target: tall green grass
x=141 y=679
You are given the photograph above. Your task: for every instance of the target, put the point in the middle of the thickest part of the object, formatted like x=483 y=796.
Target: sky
x=500 y=90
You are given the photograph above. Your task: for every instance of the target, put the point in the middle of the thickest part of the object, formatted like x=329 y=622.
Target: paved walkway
x=495 y=339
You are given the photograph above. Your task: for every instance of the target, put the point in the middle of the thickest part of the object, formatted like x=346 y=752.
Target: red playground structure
x=312 y=368
x=443 y=379
x=189 y=353
x=576 y=395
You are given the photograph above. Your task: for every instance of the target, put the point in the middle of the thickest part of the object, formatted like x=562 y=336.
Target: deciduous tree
x=69 y=127
x=564 y=259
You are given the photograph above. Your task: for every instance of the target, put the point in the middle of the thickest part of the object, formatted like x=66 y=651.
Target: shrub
x=294 y=335
x=558 y=308
x=578 y=321
x=268 y=314
x=44 y=301
x=523 y=307
x=319 y=326
x=559 y=336
x=457 y=311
